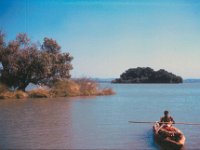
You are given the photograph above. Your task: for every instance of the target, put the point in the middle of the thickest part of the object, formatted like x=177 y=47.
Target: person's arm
x=172 y=119
x=161 y=119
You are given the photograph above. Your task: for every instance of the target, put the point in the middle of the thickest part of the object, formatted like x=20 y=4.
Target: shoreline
x=62 y=88
x=38 y=93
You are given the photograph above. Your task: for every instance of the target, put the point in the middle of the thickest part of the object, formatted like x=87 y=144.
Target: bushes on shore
x=39 y=93
x=60 y=88
x=13 y=95
x=23 y=62
x=65 y=88
x=79 y=87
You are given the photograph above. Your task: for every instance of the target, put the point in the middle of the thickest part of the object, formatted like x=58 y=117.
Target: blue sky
x=106 y=37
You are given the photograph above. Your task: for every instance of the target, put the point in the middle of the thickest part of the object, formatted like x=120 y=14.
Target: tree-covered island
x=147 y=75
x=23 y=62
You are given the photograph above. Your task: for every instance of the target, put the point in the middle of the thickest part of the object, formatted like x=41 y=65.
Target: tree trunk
x=22 y=86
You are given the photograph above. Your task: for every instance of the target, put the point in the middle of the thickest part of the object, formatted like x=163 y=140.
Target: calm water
x=100 y=122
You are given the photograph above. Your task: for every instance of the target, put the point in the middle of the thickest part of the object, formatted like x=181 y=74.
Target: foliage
x=147 y=75
x=23 y=62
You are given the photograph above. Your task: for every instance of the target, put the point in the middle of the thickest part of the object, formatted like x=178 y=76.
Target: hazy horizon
x=108 y=37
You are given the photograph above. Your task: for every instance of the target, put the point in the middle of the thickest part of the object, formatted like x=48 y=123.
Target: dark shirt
x=167 y=119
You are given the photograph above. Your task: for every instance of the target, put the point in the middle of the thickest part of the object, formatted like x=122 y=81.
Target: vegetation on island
x=60 y=88
x=23 y=62
x=147 y=75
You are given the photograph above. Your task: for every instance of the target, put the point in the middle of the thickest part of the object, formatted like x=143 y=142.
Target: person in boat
x=167 y=118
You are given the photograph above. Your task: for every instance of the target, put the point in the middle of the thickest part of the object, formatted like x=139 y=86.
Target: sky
x=107 y=37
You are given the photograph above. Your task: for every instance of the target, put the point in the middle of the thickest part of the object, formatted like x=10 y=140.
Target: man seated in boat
x=166 y=119
x=169 y=133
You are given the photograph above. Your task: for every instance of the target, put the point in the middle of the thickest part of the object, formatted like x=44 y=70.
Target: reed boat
x=168 y=137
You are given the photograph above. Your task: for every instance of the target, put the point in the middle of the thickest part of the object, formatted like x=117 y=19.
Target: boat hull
x=168 y=142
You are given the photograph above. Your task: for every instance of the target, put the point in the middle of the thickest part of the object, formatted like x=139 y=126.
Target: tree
x=147 y=75
x=23 y=62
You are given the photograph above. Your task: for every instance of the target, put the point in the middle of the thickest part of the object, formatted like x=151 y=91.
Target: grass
x=65 y=88
x=79 y=87
x=107 y=91
x=61 y=88
x=13 y=95
x=87 y=87
x=39 y=93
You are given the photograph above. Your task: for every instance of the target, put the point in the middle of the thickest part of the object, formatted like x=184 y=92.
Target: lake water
x=100 y=122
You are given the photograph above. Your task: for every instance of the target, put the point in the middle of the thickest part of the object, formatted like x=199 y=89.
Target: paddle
x=184 y=123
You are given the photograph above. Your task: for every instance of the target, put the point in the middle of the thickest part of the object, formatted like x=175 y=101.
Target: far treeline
x=23 y=62
x=147 y=75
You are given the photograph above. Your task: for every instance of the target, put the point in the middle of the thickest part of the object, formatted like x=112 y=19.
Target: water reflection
x=35 y=123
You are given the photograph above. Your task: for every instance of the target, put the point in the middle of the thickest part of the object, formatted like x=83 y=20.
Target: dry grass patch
x=65 y=88
x=78 y=87
x=107 y=91
x=87 y=87
x=60 y=88
x=39 y=93
x=20 y=94
x=13 y=95
x=7 y=95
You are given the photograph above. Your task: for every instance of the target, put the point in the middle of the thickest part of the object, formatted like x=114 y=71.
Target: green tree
x=23 y=62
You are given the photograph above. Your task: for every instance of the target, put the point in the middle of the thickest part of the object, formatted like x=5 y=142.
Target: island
x=147 y=75
x=45 y=66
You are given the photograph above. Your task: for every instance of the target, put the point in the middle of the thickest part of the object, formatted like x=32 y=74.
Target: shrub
x=7 y=95
x=107 y=91
x=78 y=87
x=39 y=93
x=59 y=88
x=20 y=94
x=87 y=87
x=65 y=88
